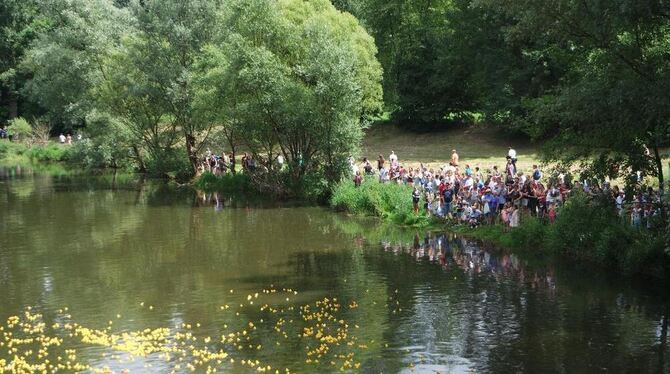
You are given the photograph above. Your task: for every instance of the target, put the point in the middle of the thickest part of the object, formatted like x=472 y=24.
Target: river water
x=131 y=276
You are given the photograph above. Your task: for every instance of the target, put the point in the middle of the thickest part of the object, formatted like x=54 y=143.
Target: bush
x=590 y=230
x=4 y=148
x=49 y=153
x=13 y=151
x=227 y=183
x=172 y=163
x=19 y=129
x=530 y=234
x=313 y=187
x=579 y=227
x=389 y=201
x=100 y=153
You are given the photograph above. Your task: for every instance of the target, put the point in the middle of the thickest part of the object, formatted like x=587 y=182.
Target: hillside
x=476 y=146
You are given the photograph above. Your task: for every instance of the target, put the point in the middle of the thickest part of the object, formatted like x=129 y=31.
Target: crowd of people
x=224 y=163
x=475 y=196
x=218 y=164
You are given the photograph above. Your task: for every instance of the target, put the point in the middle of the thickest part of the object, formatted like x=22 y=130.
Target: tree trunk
x=142 y=167
x=190 y=150
x=664 y=340
x=232 y=159
x=659 y=167
x=661 y=191
x=12 y=104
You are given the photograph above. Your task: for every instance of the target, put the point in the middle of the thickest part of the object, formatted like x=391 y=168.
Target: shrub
x=4 y=148
x=172 y=163
x=228 y=183
x=99 y=154
x=14 y=151
x=579 y=227
x=530 y=234
x=107 y=144
x=590 y=230
x=49 y=153
x=19 y=129
x=385 y=200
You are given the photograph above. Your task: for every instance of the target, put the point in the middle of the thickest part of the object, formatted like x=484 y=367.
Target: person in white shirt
x=393 y=157
x=61 y=138
x=514 y=219
x=511 y=154
x=619 y=203
x=353 y=166
x=468 y=182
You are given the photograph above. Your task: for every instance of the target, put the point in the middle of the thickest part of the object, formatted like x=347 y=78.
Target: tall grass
x=20 y=153
x=389 y=201
x=49 y=153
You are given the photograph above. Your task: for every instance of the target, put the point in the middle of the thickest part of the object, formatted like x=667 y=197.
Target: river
x=134 y=276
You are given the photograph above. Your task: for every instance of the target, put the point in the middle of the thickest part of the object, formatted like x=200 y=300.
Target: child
x=358 y=179
x=514 y=219
x=474 y=216
x=428 y=204
x=552 y=213
x=636 y=216
x=504 y=215
x=415 y=200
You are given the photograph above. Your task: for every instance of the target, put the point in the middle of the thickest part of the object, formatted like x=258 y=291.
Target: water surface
x=117 y=255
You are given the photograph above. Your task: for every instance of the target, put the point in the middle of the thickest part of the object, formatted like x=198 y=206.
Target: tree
x=20 y=24
x=298 y=79
x=163 y=56
x=66 y=62
x=443 y=59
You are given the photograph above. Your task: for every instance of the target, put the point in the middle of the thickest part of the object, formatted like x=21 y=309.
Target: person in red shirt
x=441 y=188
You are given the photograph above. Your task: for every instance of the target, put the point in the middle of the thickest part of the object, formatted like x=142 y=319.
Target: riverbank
x=14 y=153
x=586 y=230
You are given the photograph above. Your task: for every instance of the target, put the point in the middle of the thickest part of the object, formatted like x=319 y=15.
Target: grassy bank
x=12 y=153
x=477 y=145
x=390 y=202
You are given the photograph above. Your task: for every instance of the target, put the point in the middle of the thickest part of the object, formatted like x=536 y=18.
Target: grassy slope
x=476 y=146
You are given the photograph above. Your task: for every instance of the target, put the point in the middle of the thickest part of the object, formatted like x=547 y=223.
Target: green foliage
x=590 y=230
x=20 y=24
x=107 y=145
x=170 y=73
x=388 y=201
x=229 y=183
x=170 y=163
x=8 y=148
x=49 y=153
x=19 y=129
x=294 y=77
x=66 y=61
x=587 y=231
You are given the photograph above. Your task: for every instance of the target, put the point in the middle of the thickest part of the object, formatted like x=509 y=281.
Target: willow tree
x=296 y=78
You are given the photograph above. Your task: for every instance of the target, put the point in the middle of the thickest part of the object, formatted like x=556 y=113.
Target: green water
x=146 y=255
